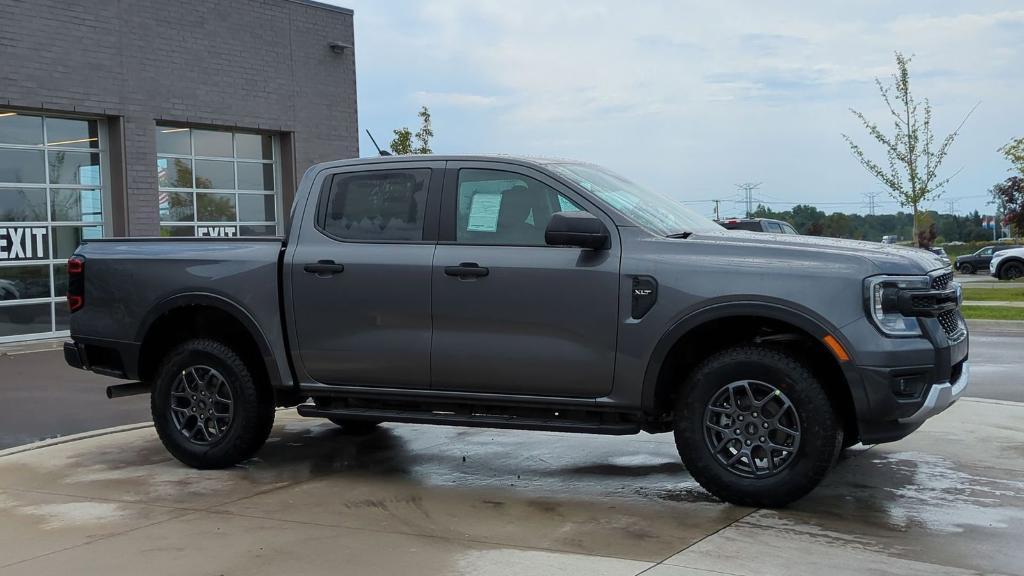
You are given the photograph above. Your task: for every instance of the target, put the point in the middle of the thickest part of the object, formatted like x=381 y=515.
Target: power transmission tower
x=718 y=215
x=952 y=206
x=748 y=192
x=871 y=201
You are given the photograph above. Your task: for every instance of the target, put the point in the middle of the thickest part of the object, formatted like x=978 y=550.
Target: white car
x=1007 y=264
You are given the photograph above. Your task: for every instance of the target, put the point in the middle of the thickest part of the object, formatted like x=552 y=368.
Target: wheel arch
x=199 y=314
x=1007 y=260
x=696 y=335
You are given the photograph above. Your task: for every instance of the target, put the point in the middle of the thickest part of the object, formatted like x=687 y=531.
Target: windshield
x=653 y=211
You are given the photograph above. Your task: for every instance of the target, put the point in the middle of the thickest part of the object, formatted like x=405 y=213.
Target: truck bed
x=130 y=281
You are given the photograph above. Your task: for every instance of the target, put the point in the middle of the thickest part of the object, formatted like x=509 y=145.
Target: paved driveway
x=434 y=500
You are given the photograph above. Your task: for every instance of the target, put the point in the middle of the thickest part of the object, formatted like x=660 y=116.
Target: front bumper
x=940 y=397
x=898 y=383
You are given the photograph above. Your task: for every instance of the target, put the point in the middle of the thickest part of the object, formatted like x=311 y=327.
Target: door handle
x=324 y=268
x=467 y=270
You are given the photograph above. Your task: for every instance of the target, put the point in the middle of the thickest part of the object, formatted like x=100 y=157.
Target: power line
x=748 y=190
x=871 y=201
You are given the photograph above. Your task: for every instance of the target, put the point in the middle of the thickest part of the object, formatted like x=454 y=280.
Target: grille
x=950 y=320
x=941 y=282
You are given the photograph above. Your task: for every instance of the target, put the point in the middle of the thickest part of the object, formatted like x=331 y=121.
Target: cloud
x=692 y=96
x=455 y=99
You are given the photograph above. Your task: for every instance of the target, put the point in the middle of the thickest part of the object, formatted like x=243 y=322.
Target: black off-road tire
x=1011 y=271
x=356 y=427
x=253 y=406
x=966 y=268
x=821 y=431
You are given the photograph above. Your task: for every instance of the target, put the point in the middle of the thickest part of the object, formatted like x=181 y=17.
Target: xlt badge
x=645 y=294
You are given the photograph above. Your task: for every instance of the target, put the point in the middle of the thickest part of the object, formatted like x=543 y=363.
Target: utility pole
x=748 y=191
x=718 y=216
x=871 y=201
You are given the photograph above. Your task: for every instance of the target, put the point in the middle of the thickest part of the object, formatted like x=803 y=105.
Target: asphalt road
x=41 y=397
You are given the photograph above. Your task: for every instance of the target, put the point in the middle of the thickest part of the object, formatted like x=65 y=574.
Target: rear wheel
x=1012 y=271
x=208 y=410
x=967 y=268
x=356 y=427
x=755 y=428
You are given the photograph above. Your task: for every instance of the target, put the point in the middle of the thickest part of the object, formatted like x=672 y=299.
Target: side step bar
x=472 y=420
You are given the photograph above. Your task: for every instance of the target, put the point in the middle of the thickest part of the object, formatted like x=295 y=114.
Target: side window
x=986 y=252
x=773 y=227
x=786 y=228
x=377 y=205
x=505 y=208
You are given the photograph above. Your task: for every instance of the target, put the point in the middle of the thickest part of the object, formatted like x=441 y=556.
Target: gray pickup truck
x=504 y=292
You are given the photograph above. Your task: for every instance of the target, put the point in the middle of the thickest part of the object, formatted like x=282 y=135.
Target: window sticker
x=483 y=212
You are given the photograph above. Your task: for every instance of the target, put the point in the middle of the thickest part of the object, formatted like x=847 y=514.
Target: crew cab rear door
x=513 y=315
x=360 y=274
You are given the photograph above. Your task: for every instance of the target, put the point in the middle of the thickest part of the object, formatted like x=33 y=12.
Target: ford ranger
x=506 y=292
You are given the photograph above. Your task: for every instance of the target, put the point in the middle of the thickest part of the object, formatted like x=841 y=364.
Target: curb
x=29 y=346
x=73 y=438
x=1004 y=325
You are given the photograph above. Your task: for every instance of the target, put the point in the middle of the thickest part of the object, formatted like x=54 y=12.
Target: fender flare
x=784 y=311
x=221 y=303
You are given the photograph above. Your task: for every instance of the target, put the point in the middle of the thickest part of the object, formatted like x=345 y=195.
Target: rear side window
x=773 y=227
x=752 y=226
x=383 y=205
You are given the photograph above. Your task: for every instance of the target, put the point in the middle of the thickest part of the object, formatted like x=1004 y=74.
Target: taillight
x=76 y=283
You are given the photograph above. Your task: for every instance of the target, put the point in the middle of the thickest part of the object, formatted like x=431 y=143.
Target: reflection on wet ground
x=942 y=501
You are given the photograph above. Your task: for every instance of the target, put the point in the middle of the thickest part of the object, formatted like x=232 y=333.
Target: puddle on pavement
x=939 y=497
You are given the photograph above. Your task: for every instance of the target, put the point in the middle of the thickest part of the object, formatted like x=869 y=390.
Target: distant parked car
x=971 y=263
x=1007 y=264
x=941 y=253
x=891 y=239
x=758 y=225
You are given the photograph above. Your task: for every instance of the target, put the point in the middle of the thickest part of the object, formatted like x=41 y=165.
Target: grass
x=992 y=313
x=994 y=294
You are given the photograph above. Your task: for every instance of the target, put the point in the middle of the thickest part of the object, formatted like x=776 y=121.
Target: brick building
x=157 y=117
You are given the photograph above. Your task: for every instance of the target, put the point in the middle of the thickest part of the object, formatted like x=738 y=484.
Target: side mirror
x=581 y=229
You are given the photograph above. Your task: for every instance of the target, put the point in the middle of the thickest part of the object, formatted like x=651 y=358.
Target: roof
x=535 y=161
x=324 y=6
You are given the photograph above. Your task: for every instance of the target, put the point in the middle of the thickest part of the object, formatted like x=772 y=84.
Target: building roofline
x=323 y=5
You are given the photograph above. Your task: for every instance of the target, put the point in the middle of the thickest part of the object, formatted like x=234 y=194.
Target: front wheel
x=1012 y=271
x=967 y=268
x=755 y=428
x=207 y=408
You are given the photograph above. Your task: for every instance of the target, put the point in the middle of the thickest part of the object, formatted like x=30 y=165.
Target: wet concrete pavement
x=949 y=499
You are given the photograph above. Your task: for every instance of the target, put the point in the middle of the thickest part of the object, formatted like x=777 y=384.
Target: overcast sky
x=695 y=97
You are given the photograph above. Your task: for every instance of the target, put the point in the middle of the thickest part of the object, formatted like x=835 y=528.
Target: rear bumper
x=107 y=357
x=73 y=356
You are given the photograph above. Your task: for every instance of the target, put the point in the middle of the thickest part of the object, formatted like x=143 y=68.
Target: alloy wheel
x=201 y=406
x=752 y=428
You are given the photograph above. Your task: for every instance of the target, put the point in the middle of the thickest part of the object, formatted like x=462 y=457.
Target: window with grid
x=52 y=196
x=217 y=183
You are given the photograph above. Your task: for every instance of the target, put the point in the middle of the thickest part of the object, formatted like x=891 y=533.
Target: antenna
x=379 y=151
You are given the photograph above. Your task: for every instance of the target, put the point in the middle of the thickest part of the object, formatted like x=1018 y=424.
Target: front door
x=361 y=273
x=513 y=315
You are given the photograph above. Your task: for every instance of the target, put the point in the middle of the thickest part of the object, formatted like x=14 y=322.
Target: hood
x=888 y=258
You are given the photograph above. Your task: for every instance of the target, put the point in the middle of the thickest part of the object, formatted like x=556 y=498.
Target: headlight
x=881 y=298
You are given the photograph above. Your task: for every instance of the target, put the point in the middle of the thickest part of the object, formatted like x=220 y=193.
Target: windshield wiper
x=683 y=235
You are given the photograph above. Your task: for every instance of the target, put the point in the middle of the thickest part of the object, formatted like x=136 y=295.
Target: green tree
x=403 y=141
x=1010 y=197
x=1014 y=152
x=912 y=157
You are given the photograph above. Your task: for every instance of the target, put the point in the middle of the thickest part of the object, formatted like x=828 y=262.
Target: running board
x=471 y=420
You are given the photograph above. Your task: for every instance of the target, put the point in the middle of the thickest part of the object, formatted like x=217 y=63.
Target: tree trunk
x=916 y=241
